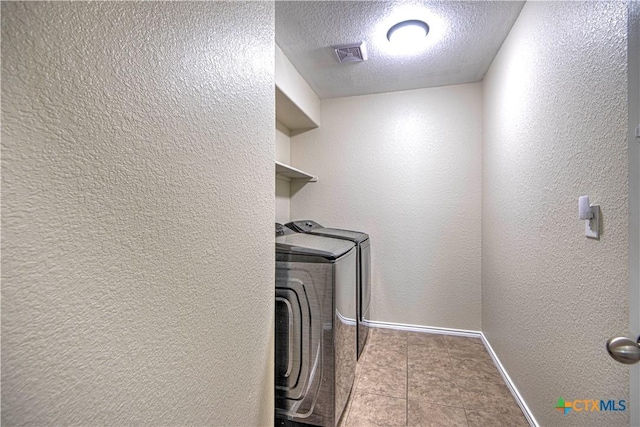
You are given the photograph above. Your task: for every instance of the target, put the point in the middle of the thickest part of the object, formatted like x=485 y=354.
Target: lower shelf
x=293 y=173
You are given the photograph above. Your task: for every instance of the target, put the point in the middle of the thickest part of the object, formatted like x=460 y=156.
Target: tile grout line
x=381 y=395
x=352 y=397
x=455 y=383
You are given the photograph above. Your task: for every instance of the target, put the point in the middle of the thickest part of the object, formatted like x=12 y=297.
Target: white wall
x=555 y=128
x=283 y=186
x=405 y=168
x=138 y=144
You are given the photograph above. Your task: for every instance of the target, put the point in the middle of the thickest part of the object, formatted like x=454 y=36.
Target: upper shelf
x=297 y=105
x=293 y=173
x=292 y=116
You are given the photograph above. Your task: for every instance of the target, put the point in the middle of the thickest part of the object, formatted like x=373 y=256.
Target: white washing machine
x=315 y=327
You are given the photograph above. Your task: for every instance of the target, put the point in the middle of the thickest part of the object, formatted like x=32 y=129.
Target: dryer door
x=298 y=351
x=288 y=346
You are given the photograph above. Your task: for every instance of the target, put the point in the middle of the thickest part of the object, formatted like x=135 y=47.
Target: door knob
x=624 y=350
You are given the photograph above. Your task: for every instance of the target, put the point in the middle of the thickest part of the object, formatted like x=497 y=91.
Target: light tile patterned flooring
x=419 y=379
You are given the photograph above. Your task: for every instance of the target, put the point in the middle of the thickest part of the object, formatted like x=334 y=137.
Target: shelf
x=297 y=105
x=291 y=115
x=293 y=173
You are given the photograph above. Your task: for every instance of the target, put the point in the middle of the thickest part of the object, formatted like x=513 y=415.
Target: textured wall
x=405 y=168
x=555 y=128
x=136 y=139
x=634 y=196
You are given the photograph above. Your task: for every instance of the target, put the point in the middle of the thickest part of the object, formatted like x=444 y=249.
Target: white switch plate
x=592 y=226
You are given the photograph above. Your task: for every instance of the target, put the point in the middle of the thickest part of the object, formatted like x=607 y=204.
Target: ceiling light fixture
x=408 y=34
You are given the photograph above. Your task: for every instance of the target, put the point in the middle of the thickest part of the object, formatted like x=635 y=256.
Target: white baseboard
x=466 y=333
x=427 y=329
x=507 y=379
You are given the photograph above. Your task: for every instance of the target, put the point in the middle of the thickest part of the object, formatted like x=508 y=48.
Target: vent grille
x=351 y=52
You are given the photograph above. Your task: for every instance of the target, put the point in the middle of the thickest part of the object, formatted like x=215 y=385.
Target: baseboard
x=466 y=333
x=507 y=380
x=427 y=329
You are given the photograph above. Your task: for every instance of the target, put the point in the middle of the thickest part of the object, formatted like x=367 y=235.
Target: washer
x=315 y=327
x=363 y=266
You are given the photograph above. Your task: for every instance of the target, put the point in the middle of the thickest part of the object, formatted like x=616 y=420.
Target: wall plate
x=592 y=226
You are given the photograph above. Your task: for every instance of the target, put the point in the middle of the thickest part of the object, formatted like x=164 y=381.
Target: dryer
x=315 y=327
x=363 y=266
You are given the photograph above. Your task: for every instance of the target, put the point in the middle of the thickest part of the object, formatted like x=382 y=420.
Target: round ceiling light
x=408 y=33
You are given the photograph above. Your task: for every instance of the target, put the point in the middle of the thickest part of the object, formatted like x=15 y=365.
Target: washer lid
x=312 y=227
x=309 y=244
x=354 y=236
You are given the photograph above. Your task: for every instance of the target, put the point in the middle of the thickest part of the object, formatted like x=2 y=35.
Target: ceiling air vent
x=356 y=52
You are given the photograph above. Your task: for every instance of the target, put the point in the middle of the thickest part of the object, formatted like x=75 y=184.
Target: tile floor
x=418 y=379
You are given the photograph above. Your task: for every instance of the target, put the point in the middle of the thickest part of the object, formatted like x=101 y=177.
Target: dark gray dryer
x=363 y=266
x=315 y=327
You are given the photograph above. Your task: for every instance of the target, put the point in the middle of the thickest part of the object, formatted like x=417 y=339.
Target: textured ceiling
x=464 y=37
